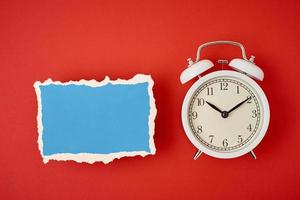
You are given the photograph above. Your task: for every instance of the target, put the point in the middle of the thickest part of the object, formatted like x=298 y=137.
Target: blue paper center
x=83 y=119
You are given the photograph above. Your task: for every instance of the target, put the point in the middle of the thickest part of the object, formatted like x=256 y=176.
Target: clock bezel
x=260 y=133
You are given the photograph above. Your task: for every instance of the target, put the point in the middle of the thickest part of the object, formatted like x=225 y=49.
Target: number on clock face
x=224 y=114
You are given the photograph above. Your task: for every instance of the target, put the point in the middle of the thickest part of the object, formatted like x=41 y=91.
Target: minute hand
x=238 y=105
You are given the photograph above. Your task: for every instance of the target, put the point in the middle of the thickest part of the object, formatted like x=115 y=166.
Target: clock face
x=225 y=114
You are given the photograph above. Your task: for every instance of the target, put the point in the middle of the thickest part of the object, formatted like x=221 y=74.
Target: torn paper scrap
x=90 y=121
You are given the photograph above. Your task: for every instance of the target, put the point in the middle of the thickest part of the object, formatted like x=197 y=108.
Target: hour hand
x=214 y=107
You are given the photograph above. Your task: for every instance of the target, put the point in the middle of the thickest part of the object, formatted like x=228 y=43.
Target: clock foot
x=198 y=153
x=253 y=154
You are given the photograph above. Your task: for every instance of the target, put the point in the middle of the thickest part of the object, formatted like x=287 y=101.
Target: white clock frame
x=258 y=136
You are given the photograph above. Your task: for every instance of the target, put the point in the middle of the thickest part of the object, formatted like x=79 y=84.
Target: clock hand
x=238 y=105
x=214 y=107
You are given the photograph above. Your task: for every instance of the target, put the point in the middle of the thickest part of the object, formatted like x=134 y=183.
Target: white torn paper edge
x=90 y=157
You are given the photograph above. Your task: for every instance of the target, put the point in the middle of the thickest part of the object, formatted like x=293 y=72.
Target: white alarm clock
x=225 y=114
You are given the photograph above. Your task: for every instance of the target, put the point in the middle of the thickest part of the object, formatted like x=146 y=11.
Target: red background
x=72 y=40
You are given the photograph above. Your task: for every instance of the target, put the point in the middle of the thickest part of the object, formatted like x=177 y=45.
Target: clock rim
x=259 y=136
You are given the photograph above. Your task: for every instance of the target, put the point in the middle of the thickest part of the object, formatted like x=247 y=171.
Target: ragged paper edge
x=90 y=157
